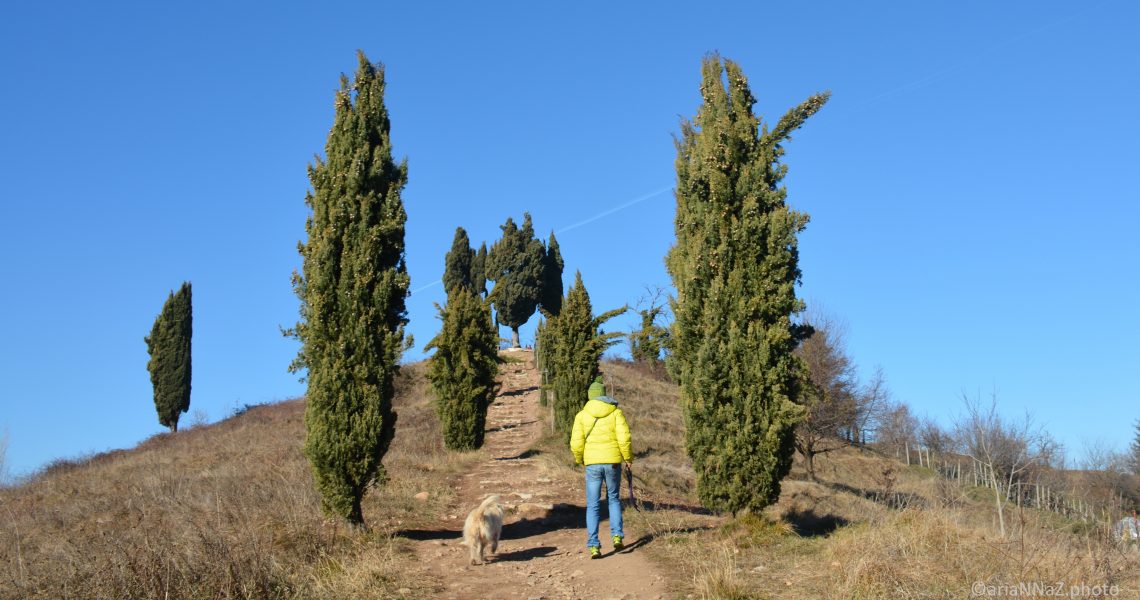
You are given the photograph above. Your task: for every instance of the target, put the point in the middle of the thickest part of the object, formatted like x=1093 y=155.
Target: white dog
x=483 y=527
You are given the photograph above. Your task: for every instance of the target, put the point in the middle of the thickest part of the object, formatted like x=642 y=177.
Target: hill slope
x=870 y=527
x=228 y=510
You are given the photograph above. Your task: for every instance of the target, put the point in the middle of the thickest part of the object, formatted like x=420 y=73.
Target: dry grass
x=652 y=406
x=869 y=527
x=222 y=511
x=942 y=553
x=229 y=511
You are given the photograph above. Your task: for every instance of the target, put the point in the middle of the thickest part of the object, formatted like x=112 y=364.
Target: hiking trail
x=542 y=552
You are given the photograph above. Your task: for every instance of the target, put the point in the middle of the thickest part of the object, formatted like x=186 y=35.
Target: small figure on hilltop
x=600 y=440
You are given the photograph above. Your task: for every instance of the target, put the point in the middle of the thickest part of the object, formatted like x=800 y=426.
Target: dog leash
x=629 y=482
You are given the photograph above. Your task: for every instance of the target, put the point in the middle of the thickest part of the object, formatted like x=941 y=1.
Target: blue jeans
x=594 y=476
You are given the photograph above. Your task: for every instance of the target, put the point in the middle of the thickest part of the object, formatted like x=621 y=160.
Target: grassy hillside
x=871 y=527
x=228 y=511
x=220 y=511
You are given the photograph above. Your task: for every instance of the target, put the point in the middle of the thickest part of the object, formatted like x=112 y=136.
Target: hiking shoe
x=595 y=552
x=618 y=542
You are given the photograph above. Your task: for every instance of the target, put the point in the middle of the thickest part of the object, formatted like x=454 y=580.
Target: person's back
x=600 y=440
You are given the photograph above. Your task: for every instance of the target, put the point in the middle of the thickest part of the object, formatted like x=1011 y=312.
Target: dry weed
x=226 y=510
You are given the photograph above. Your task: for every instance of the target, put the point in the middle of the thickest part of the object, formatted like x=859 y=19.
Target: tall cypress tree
x=352 y=290
x=735 y=267
x=459 y=263
x=169 y=347
x=479 y=270
x=463 y=369
x=551 y=300
x=515 y=264
x=572 y=344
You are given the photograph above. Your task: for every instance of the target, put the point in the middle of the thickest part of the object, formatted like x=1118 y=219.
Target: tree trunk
x=515 y=337
x=997 y=503
x=809 y=465
x=356 y=518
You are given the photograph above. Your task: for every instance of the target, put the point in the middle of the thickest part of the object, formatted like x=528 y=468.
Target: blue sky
x=970 y=183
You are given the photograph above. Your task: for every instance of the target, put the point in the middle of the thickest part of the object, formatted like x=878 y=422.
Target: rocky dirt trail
x=542 y=553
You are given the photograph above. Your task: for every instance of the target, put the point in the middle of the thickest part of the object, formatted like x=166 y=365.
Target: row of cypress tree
x=527 y=275
x=734 y=266
x=465 y=364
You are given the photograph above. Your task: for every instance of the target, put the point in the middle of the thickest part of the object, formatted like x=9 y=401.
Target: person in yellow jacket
x=600 y=440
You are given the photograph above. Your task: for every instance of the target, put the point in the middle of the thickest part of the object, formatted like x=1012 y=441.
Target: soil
x=542 y=553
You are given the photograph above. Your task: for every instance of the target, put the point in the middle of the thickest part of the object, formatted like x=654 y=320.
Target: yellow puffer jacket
x=600 y=435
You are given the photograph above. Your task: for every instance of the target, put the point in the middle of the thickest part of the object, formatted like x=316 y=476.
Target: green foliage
x=169 y=347
x=551 y=301
x=647 y=342
x=540 y=362
x=516 y=264
x=572 y=344
x=479 y=270
x=463 y=369
x=735 y=267
x=352 y=289
x=459 y=264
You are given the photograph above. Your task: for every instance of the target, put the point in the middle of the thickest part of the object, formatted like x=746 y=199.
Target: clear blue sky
x=971 y=183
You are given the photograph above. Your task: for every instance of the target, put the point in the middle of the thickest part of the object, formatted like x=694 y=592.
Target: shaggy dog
x=483 y=527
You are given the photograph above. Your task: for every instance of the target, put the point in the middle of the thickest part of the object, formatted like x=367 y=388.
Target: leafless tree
x=830 y=396
x=872 y=404
x=896 y=429
x=1005 y=449
x=651 y=338
x=1105 y=472
x=934 y=438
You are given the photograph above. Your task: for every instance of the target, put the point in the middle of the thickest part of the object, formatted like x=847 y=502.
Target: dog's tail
x=494 y=499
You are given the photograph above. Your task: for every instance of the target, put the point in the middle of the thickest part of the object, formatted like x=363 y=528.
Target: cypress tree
x=459 y=263
x=541 y=340
x=647 y=342
x=463 y=369
x=515 y=263
x=352 y=290
x=479 y=270
x=551 y=300
x=169 y=347
x=572 y=344
x=735 y=267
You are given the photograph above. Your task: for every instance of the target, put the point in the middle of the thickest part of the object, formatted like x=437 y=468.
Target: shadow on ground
x=523 y=555
x=521 y=456
x=650 y=505
x=519 y=392
x=423 y=535
x=562 y=516
x=507 y=426
x=809 y=524
x=895 y=500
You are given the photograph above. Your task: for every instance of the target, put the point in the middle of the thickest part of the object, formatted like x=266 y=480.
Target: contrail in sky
x=613 y=210
x=604 y=213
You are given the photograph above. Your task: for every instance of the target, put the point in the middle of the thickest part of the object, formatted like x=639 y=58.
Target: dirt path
x=542 y=553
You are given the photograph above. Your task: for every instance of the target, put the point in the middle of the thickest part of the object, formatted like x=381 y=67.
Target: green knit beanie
x=597 y=390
